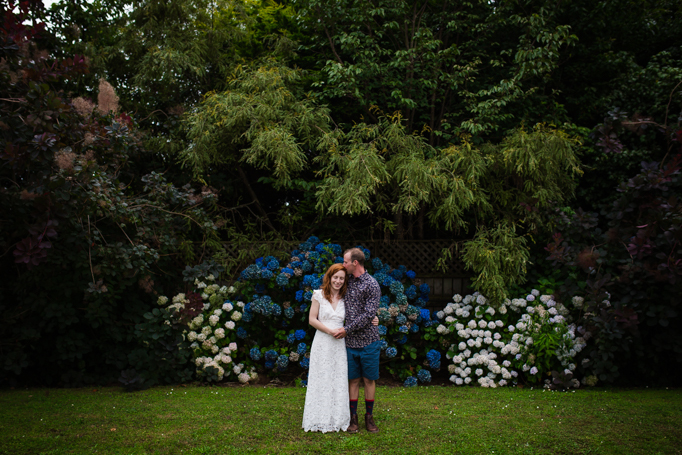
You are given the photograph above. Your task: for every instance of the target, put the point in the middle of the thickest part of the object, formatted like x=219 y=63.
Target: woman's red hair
x=327 y=282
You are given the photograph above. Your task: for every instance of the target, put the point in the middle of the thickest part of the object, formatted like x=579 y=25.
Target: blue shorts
x=364 y=362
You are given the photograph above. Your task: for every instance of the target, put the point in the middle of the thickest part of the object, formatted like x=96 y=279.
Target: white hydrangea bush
x=212 y=330
x=527 y=338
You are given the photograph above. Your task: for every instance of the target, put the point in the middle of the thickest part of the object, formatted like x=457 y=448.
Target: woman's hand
x=375 y=321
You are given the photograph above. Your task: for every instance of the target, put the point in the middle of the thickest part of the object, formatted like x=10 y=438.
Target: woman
x=326 y=400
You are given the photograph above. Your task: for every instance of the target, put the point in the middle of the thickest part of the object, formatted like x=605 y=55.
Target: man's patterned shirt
x=362 y=302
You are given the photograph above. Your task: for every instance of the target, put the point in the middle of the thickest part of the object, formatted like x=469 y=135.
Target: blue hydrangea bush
x=260 y=324
x=278 y=296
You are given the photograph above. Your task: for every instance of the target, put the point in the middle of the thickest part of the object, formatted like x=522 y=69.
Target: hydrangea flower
x=380 y=277
x=382 y=330
x=255 y=354
x=282 y=362
x=271 y=355
x=250 y=273
x=299 y=334
x=391 y=352
x=387 y=281
x=282 y=280
x=411 y=381
x=411 y=292
x=302 y=348
x=305 y=363
x=397 y=274
x=424 y=375
x=433 y=355
x=242 y=333
x=410 y=274
x=266 y=273
x=307 y=281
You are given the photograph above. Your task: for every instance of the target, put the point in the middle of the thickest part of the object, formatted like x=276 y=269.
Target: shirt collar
x=361 y=277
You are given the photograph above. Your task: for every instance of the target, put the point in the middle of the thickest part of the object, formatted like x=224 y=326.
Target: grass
x=257 y=419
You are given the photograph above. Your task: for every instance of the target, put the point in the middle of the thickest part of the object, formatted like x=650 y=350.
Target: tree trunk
x=259 y=207
x=399 y=228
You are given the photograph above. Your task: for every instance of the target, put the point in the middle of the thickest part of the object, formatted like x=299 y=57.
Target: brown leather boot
x=370 y=425
x=353 y=427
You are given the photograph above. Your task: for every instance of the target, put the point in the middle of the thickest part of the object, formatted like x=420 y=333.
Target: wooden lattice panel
x=419 y=255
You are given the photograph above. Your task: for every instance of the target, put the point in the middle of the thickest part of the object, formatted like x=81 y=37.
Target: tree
x=384 y=170
x=87 y=240
x=449 y=67
x=496 y=192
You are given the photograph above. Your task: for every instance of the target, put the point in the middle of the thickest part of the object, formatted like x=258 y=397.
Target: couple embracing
x=343 y=352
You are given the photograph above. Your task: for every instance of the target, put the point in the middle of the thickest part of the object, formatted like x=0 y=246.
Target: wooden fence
x=419 y=255
x=422 y=256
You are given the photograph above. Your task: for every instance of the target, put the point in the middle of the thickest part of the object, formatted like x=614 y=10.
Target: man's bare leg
x=354 y=389
x=370 y=388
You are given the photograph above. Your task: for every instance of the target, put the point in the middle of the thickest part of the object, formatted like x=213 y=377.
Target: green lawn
x=257 y=419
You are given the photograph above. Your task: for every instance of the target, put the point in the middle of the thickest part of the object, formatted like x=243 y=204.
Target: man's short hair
x=356 y=254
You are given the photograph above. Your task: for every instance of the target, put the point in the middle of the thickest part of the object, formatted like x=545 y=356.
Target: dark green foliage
x=450 y=68
x=427 y=103
x=87 y=239
x=161 y=356
x=627 y=261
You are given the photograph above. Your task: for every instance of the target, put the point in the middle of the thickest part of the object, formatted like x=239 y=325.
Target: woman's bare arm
x=312 y=317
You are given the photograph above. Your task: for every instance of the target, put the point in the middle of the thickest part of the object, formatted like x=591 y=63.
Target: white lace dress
x=326 y=400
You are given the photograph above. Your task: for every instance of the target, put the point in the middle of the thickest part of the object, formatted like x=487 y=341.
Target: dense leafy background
x=526 y=129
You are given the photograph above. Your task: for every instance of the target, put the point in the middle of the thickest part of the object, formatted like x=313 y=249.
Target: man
x=362 y=338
